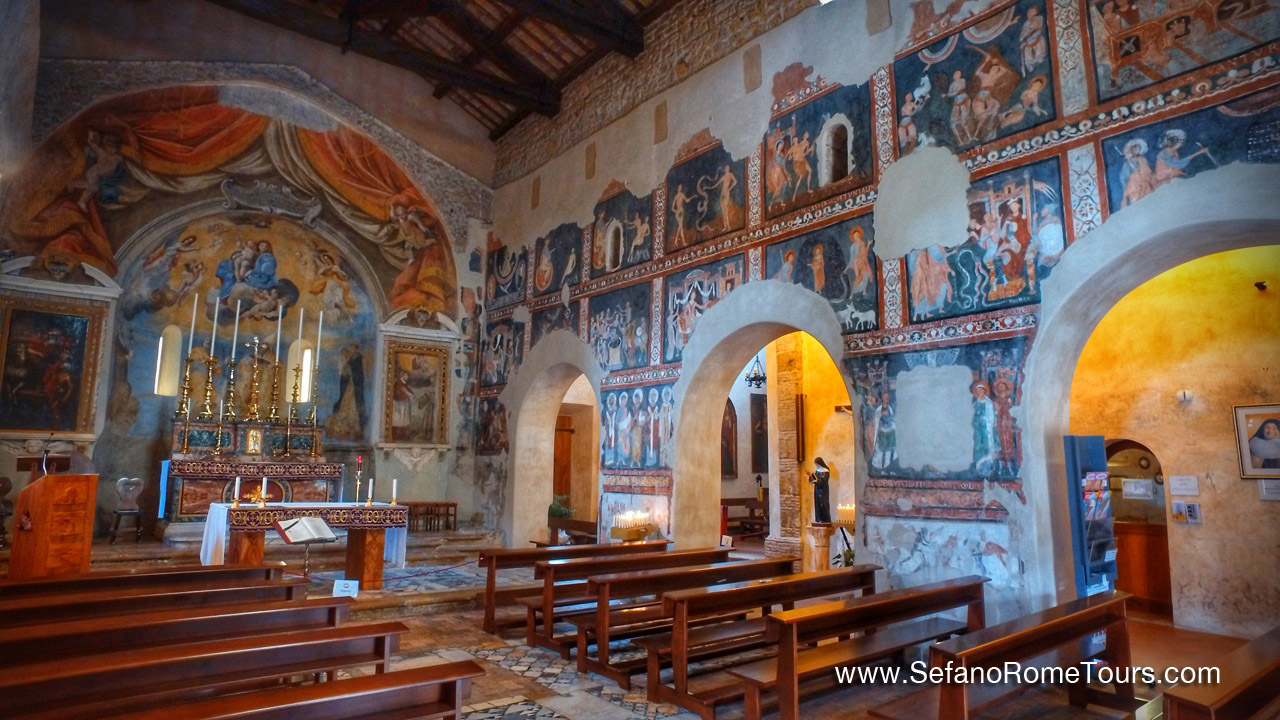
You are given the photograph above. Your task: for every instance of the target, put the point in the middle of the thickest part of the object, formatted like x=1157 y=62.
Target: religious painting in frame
x=759 y=433
x=729 y=442
x=1258 y=440
x=48 y=365
x=415 y=400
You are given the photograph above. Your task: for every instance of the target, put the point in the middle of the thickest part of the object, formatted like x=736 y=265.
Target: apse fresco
x=137 y=155
x=818 y=146
x=692 y=292
x=706 y=197
x=622 y=233
x=555 y=263
x=1137 y=43
x=273 y=270
x=990 y=80
x=990 y=377
x=505 y=277
x=501 y=350
x=1016 y=235
x=1243 y=130
x=637 y=428
x=556 y=317
x=619 y=327
x=837 y=262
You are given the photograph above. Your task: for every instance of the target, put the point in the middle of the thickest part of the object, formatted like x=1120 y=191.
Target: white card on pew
x=346 y=588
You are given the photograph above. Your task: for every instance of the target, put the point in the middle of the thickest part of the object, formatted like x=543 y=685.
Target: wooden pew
x=558 y=572
x=793 y=629
x=30 y=610
x=1056 y=636
x=684 y=643
x=191 y=575
x=578 y=532
x=437 y=691
x=73 y=638
x=605 y=623
x=1247 y=686
x=94 y=686
x=495 y=559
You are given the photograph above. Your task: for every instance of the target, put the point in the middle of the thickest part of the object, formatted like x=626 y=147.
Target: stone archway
x=532 y=399
x=1226 y=209
x=726 y=338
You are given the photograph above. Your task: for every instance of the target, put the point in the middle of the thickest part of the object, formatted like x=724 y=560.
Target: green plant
x=559 y=507
x=845 y=559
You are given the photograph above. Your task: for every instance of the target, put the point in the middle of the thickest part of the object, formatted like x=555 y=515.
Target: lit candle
x=213 y=336
x=220 y=402
x=264 y=488
x=395 y=487
x=370 y=488
x=279 y=322
x=235 y=334
x=359 y=463
x=235 y=494
x=191 y=337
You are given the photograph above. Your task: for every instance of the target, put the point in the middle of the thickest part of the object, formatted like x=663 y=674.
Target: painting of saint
x=837 y=262
x=42 y=369
x=692 y=292
x=819 y=146
x=635 y=428
x=417 y=388
x=556 y=260
x=706 y=197
x=759 y=432
x=986 y=444
x=729 y=441
x=619 y=327
x=349 y=416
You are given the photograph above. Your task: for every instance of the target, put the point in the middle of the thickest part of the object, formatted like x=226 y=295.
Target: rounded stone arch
x=1225 y=209
x=532 y=398
x=724 y=340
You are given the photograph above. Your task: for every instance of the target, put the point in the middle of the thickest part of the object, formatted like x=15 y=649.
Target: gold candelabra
x=230 y=392
x=217 y=440
x=206 y=407
x=311 y=418
x=273 y=414
x=184 y=401
x=293 y=410
x=186 y=433
x=252 y=410
x=358 y=474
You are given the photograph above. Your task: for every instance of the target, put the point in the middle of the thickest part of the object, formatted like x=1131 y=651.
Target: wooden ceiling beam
x=544 y=100
x=497 y=35
x=603 y=22
x=383 y=9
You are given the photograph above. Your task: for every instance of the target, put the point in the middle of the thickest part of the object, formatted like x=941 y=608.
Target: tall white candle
x=220 y=403
x=191 y=337
x=315 y=360
x=213 y=335
x=395 y=486
x=264 y=488
x=279 y=322
x=235 y=494
x=235 y=334
x=370 y=487
x=302 y=313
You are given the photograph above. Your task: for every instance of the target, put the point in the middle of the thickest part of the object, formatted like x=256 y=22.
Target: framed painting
x=415 y=400
x=759 y=433
x=729 y=442
x=1258 y=440
x=48 y=364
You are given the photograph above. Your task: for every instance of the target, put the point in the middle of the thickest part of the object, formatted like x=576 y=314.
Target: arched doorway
x=727 y=337
x=533 y=399
x=1212 y=212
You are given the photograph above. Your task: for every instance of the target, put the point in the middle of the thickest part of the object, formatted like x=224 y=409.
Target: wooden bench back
x=1037 y=633
x=769 y=591
x=579 y=568
x=1247 y=682
x=527 y=557
x=841 y=617
x=647 y=582
x=142 y=577
x=569 y=526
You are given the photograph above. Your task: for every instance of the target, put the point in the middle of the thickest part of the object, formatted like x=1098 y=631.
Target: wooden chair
x=437 y=691
x=1248 y=686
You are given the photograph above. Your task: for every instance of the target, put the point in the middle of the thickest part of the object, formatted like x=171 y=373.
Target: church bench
x=192 y=575
x=1058 y=636
x=604 y=622
x=579 y=532
x=1248 y=681
x=684 y=643
x=437 y=691
x=495 y=559
x=557 y=572
x=94 y=686
x=70 y=638
x=96 y=603
x=890 y=622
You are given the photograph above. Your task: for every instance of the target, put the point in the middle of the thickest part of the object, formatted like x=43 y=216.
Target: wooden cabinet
x=53 y=526
x=1142 y=559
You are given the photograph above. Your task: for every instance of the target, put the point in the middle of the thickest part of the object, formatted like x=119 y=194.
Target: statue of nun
x=820 y=478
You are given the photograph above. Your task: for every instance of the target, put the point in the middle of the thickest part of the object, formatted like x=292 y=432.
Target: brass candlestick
x=186 y=433
x=217 y=440
x=311 y=419
x=230 y=393
x=273 y=415
x=251 y=411
x=206 y=407
x=184 y=401
x=358 y=473
x=293 y=411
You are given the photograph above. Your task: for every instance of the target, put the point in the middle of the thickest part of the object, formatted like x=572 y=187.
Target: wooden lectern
x=53 y=523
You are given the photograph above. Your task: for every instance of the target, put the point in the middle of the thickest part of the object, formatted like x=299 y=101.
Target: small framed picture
x=1258 y=440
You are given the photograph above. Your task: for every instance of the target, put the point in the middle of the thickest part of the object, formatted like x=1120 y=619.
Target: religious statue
x=820 y=478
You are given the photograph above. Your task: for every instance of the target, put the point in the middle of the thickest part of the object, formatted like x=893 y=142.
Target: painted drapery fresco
x=1140 y=161
x=556 y=317
x=839 y=263
x=622 y=233
x=555 y=263
x=988 y=81
x=637 y=426
x=501 y=350
x=692 y=292
x=620 y=327
x=1016 y=235
x=706 y=194
x=1137 y=44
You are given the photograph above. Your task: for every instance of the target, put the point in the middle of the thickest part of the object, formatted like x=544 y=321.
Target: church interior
x=661 y=359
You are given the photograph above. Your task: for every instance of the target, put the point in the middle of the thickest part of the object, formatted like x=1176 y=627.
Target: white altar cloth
x=217 y=528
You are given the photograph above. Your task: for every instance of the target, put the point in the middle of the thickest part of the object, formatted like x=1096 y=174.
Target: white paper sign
x=1268 y=489
x=346 y=588
x=1138 y=489
x=1184 y=485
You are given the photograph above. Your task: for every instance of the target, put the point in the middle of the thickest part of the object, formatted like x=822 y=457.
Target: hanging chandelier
x=755 y=375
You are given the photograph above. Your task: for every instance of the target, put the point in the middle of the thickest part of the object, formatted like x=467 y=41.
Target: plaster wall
x=1201 y=327
x=19 y=50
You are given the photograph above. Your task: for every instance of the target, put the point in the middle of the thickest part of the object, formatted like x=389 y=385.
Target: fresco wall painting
x=555 y=262
x=837 y=262
x=706 y=194
x=501 y=351
x=622 y=232
x=505 y=274
x=690 y=293
x=637 y=428
x=619 y=327
x=556 y=317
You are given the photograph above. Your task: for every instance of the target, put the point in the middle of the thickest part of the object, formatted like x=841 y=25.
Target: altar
x=376 y=534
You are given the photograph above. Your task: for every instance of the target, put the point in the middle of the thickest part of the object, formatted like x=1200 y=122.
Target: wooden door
x=562 y=463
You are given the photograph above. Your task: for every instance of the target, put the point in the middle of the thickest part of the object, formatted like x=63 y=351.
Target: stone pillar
x=785 y=381
x=817 y=547
x=19 y=53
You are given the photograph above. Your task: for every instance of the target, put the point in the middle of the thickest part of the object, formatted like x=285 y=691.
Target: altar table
x=375 y=534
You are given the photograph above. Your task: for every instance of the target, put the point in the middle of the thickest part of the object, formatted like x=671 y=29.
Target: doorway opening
x=1142 y=537
x=575 y=463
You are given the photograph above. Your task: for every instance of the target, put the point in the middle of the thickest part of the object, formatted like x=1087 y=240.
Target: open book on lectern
x=307 y=529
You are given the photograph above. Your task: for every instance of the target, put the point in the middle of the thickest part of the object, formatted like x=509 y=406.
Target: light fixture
x=755 y=376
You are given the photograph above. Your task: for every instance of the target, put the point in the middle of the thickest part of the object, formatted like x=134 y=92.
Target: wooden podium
x=53 y=526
